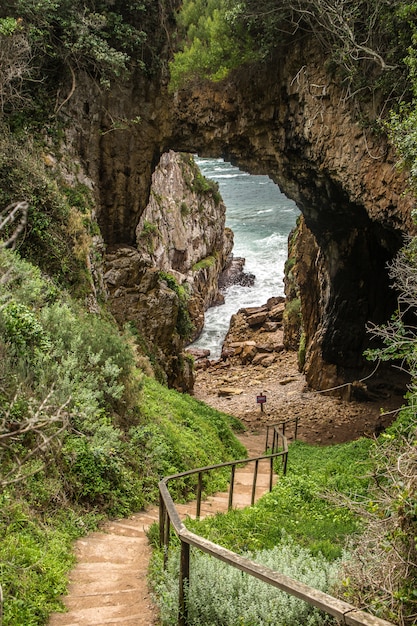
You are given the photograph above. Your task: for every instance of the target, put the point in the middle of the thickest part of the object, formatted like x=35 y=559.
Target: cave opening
x=353 y=287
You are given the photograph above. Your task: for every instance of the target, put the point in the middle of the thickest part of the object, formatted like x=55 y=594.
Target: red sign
x=261 y=399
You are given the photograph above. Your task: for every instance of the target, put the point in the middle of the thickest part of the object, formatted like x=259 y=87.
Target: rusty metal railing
x=169 y=517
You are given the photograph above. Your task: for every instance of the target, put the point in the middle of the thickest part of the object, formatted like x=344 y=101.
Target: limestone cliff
x=164 y=284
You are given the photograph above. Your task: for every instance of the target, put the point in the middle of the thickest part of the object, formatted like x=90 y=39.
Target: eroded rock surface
x=182 y=235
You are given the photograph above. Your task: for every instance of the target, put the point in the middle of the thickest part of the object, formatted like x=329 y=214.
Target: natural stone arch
x=290 y=121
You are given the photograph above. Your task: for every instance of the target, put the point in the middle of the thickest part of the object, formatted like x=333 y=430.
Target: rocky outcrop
x=164 y=284
x=292 y=121
x=182 y=231
x=140 y=296
x=255 y=337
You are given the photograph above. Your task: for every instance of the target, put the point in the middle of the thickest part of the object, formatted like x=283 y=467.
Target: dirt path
x=108 y=586
x=324 y=419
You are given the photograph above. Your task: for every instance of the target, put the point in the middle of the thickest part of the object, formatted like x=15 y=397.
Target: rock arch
x=291 y=121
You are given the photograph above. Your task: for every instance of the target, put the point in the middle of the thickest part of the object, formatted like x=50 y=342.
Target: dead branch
x=8 y=216
x=44 y=423
x=15 y=57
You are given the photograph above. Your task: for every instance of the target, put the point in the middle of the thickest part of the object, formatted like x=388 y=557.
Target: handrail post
x=284 y=460
x=232 y=485
x=184 y=579
x=271 y=472
x=167 y=525
x=296 y=428
x=255 y=477
x=267 y=438
x=161 y=520
x=199 y=491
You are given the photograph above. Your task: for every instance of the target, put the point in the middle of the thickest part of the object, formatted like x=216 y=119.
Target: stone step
x=108 y=586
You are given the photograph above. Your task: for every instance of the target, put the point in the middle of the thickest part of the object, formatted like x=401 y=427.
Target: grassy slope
x=111 y=431
x=296 y=505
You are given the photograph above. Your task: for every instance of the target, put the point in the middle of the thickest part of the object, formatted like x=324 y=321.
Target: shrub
x=219 y=594
x=184 y=325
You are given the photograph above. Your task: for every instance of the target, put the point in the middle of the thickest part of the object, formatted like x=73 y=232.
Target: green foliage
x=148 y=234
x=83 y=434
x=178 y=432
x=8 y=26
x=247 y=601
x=184 y=324
x=35 y=555
x=56 y=237
x=101 y=37
x=196 y=182
x=210 y=47
x=22 y=329
x=208 y=261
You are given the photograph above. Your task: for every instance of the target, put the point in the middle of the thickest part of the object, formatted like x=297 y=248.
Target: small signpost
x=261 y=399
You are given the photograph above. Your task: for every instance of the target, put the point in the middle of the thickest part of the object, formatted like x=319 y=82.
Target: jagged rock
x=227 y=352
x=270 y=327
x=233 y=274
x=245 y=341
x=263 y=359
x=248 y=352
x=198 y=353
x=276 y=314
x=229 y=391
x=256 y=319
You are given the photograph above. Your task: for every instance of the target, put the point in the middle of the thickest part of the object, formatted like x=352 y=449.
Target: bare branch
x=44 y=422
x=8 y=216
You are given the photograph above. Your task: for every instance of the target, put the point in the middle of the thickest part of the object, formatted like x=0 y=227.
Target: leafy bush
x=35 y=555
x=210 y=46
x=184 y=324
x=219 y=594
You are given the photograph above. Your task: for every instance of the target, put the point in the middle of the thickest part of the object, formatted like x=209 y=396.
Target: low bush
x=219 y=594
x=84 y=434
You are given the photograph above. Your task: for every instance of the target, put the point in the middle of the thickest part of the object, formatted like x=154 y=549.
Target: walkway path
x=108 y=586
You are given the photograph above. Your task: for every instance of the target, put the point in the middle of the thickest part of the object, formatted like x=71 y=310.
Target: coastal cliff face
x=164 y=284
x=291 y=121
x=287 y=119
x=182 y=231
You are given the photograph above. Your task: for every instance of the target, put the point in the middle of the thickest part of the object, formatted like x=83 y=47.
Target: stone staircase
x=108 y=585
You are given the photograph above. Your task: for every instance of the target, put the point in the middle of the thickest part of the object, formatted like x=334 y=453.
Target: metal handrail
x=346 y=613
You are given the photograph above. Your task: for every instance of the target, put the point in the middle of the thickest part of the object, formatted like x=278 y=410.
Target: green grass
x=112 y=432
x=297 y=506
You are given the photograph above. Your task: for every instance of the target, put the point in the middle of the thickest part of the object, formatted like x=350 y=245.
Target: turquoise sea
x=261 y=218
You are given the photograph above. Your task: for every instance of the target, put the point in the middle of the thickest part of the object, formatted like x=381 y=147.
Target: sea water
x=261 y=218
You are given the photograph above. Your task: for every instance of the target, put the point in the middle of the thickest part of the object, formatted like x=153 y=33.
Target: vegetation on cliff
x=364 y=42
